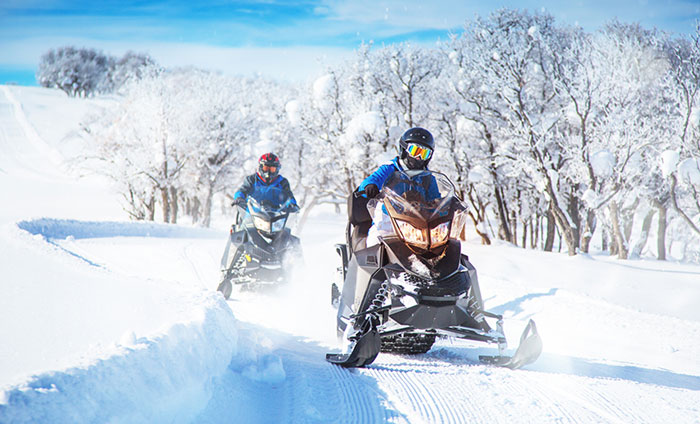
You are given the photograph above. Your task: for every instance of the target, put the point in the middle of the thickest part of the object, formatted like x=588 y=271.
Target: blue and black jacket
x=380 y=176
x=254 y=186
x=383 y=173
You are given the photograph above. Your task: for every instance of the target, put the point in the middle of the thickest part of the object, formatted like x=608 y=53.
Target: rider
x=268 y=176
x=415 y=147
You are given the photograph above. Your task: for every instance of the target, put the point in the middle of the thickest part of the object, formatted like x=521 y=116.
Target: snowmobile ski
x=363 y=352
x=528 y=351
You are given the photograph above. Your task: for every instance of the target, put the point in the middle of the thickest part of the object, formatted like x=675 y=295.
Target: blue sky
x=283 y=39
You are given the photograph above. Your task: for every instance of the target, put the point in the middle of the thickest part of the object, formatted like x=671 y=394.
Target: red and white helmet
x=269 y=167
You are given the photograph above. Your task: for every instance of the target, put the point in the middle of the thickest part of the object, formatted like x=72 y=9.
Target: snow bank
x=64 y=228
x=163 y=378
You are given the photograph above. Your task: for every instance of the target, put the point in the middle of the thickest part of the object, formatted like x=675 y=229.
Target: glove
x=239 y=202
x=292 y=208
x=371 y=190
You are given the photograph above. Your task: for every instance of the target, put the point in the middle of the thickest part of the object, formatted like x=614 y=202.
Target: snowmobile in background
x=261 y=250
x=415 y=285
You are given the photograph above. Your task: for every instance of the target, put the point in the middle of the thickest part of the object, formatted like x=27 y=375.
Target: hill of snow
x=107 y=320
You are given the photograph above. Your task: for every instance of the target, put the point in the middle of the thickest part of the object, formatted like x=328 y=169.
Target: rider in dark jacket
x=268 y=176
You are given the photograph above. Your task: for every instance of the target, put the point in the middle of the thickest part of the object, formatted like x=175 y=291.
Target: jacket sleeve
x=246 y=188
x=378 y=177
x=284 y=184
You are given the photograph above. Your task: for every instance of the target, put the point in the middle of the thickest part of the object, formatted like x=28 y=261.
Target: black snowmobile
x=415 y=285
x=261 y=250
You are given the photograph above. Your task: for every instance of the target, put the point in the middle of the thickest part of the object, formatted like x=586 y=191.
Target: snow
x=477 y=174
x=292 y=108
x=695 y=117
x=669 y=160
x=689 y=169
x=532 y=31
x=108 y=320
x=603 y=163
x=322 y=86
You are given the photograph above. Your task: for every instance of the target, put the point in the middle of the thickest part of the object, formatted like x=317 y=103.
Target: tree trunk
x=644 y=236
x=604 y=240
x=485 y=240
x=503 y=227
x=551 y=230
x=661 y=231
x=627 y=216
x=166 y=204
x=206 y=220
x=574 y=216
x=151 y=207
x=195 y=209
x=535 y=232
x=173 y=205
x=588 y=231
x=618 y=235
x=566 y=230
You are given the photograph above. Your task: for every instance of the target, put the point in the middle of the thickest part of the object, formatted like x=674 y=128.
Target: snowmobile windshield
x=422 y=206
x=267 y=207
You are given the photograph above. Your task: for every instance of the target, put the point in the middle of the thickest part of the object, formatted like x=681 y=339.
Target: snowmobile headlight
x=411 y=234
x=278 y=225
x=261 y=224
x=438 y=235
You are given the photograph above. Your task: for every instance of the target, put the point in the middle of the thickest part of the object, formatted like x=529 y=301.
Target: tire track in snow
x=414 y=383
x=357 y=394
x=589 y=401
x=435 y=390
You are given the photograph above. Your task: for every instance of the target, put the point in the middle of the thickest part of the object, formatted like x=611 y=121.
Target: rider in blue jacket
x=259 y=184
x=415 y=151
x=416 y=147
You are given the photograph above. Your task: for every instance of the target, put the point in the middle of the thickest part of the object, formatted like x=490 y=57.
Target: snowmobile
x=261 y=251
x=414 y=285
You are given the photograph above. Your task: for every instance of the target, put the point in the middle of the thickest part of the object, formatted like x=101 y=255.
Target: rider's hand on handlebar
x=238 y=202
x=371 y=191
x=292 y=208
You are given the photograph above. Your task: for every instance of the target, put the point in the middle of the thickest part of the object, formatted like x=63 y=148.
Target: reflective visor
x=418 y=151
x=267 y=168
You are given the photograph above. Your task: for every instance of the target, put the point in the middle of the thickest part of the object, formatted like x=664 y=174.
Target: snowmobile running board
x=528 y=351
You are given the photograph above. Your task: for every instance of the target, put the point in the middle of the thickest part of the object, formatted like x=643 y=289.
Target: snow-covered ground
x=106 y=320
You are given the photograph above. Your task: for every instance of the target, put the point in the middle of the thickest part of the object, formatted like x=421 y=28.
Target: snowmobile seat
x=359 y=222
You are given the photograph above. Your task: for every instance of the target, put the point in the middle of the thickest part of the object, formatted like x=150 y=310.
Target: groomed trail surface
x=110 y=321
x=278 y=372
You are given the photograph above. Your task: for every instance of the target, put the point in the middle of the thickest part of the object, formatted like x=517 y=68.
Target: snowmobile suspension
x=380 y=297
x=376 y=306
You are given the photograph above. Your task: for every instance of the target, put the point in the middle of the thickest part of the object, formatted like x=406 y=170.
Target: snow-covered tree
x=77 y=72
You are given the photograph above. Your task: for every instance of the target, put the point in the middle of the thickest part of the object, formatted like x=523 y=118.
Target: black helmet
x=420 y=158
x=269 y=167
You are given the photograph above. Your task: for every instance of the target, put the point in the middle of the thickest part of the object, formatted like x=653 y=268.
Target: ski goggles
x=419 y=151
x=267 y=168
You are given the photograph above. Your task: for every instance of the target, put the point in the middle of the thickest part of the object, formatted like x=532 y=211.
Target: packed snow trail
x=291 y=329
